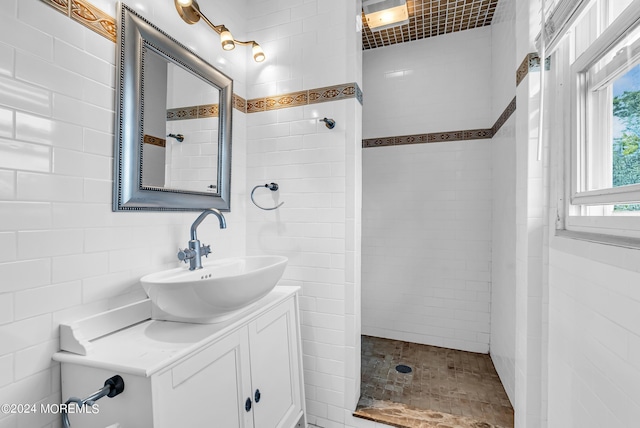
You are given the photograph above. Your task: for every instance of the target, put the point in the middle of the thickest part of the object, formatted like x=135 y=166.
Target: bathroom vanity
x=244 y=372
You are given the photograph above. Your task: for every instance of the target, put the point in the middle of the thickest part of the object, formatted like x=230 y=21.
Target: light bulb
x=226 y=39
x=185 y=3
x=258 y=53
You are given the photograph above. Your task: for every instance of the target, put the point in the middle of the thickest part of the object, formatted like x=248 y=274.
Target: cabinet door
x=275 y=368
x=208 y=389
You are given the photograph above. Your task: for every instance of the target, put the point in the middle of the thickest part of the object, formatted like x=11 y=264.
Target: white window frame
x=579 y=202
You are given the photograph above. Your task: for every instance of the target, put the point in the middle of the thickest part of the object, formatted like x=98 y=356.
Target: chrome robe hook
x=178 y=137
x=329 y=123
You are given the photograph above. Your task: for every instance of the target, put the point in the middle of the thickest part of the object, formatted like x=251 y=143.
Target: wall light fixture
x=382 y=14
x=190 y=13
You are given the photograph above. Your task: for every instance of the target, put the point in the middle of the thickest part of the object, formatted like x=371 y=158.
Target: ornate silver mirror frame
x=136 y=36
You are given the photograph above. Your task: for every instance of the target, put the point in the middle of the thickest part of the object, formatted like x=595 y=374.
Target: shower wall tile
x=407 y=92
x=426 y=250
x=424 y=257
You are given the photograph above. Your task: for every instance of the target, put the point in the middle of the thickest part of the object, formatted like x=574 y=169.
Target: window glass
x=612 y=142
x=626 y=128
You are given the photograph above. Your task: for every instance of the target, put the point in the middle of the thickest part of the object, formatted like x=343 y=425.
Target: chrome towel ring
x=273 y=187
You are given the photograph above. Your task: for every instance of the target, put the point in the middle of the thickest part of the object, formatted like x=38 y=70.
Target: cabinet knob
x=256 y=396
x=247 y=405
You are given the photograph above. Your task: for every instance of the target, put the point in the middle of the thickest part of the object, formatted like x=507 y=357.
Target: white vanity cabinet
x=250 y=378
x=246 y=373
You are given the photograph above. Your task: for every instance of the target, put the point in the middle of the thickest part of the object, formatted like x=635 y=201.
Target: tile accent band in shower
x=440 y=137
x=433 y=137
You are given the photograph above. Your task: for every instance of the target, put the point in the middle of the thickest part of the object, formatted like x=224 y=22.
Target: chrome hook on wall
x=273 y=187
x=329 y=123
x=178 y=137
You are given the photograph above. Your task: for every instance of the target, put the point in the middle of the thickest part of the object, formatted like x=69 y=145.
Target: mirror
x=173 y=124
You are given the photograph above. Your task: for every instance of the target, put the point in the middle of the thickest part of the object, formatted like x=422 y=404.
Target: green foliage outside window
x=626 y=153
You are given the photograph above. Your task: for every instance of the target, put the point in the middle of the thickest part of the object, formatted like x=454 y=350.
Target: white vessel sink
x=214 y=293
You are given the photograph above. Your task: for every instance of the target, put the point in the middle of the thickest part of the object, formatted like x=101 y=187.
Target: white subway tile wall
x=312 y=44
x=593 y=376
x=63 y=253
x=427 y=207
x=427 y=244
x=430 y=85
x=503 y=153
x=313 y=228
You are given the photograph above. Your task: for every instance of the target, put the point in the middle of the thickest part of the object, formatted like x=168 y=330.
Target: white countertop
x=147 y=347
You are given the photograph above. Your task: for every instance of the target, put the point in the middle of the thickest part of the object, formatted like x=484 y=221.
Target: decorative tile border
x=85 y=13
x=193 y=112
x=276 y=102
x=239 y=103
x=433 y=137
x=522 y=70
x=93 y=18
x=303 y=98
x=333 y=93
x=294 y=99
x=531 y=62
x=506 y=114
x=155 y=141
x=441 y=137
x=256 y=105
x=60 y=5
x=88 y=15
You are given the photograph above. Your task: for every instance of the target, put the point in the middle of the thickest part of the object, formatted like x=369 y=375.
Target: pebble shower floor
x=446 y=387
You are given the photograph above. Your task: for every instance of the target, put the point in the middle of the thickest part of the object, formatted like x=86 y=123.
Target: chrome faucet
x=195 y=251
